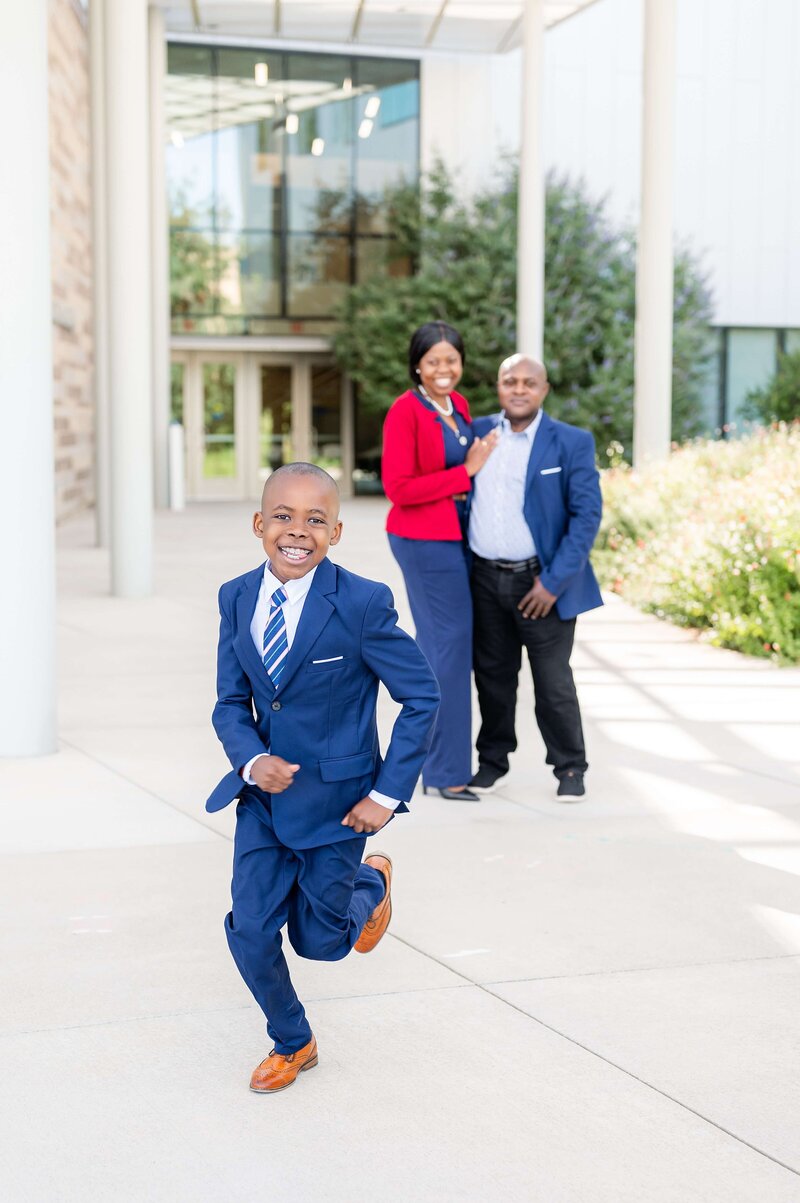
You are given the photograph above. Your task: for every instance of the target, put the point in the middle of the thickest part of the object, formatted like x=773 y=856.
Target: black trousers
x=500 y=633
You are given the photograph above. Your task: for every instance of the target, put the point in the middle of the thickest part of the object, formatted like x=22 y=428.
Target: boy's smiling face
x=297 y=523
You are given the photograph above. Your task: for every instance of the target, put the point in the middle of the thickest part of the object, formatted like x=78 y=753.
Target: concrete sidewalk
x=578 y=1003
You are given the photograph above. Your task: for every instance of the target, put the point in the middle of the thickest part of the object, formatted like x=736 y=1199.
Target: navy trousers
x=437 y=583
x=325 y=896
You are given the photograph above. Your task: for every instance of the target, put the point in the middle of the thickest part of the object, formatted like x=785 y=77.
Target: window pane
x=219 y=433
x=189 y=104
x=710 y=388
x=792 y=341
x=319 y=272
x=276 y=419
x=387 y=121
x=250 y=279
x=319 y=159
x=249 y=119
x=752 y=359
x=194 y=272
x=379 y=257
x=326 y=418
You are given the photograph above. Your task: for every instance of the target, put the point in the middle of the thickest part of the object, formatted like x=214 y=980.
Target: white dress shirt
x=296 y=594
x=497 y=526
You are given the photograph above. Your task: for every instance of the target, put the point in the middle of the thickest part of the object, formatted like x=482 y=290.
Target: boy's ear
x=258 y=525
x=336 y=534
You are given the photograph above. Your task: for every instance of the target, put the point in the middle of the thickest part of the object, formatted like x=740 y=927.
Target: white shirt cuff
x=248 y=780
x=382 y=800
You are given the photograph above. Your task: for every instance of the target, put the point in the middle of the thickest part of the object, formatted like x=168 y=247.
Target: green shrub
x=711 y=539
x=779 y=401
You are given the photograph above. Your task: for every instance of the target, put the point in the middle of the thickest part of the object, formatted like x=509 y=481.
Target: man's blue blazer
x=562 y=507
x=322 y=716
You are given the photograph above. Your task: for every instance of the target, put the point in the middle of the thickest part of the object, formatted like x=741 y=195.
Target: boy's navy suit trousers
x=325 y=896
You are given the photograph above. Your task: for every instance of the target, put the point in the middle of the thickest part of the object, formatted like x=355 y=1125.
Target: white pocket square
x=548 y=471
x=330 y=660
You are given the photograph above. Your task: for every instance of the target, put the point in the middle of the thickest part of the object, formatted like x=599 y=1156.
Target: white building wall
x=469 y=114
x=737 y=199
x=737 y=137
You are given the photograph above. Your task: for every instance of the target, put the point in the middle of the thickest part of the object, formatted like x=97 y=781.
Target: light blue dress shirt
x=497 y=526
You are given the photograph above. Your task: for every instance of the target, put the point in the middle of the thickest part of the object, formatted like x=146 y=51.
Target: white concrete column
x=159 y=233
x=530 y=222
x=129 y=298
x=102 y=498
x=27 y=541
x=654 y=258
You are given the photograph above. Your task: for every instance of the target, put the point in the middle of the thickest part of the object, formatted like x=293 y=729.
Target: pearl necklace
x=446 y=413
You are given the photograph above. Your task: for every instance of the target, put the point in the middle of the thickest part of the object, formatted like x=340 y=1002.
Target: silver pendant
x=463 y=440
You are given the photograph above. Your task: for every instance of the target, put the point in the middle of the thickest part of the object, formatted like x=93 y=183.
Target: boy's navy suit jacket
x=322 y=716
x=562 y=508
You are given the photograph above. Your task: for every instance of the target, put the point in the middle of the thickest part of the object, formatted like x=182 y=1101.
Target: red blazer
x=414 y=476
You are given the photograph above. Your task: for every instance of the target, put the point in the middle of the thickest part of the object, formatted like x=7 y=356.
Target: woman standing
x=429 y=459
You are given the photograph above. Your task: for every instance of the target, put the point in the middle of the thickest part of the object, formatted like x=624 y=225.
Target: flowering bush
x=711 y=539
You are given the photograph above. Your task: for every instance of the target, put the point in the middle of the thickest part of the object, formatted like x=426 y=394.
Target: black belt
x=531 y=565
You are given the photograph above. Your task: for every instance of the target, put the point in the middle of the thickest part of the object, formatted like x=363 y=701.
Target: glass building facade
x=279 y=169
x=744 y=358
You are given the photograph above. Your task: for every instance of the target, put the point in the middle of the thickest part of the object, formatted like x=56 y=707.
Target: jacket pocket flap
x=343 y=767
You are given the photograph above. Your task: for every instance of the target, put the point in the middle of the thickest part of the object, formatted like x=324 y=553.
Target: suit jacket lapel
x=541 y=444
x=243 y=640
x=316 y=612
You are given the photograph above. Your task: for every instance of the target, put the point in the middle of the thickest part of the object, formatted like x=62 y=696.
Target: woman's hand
x=479 y=452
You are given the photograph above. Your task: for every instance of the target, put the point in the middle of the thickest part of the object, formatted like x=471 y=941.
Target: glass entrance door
x=326 y=418
x=274 y=418
x=213 y=412
x=245 y=414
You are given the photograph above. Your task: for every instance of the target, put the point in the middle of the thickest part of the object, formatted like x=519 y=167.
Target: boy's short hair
x=300 y=468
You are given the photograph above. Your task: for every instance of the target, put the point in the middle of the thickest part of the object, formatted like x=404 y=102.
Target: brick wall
x=71 y=252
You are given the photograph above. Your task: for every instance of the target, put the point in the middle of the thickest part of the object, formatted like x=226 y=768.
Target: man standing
x=535 y=513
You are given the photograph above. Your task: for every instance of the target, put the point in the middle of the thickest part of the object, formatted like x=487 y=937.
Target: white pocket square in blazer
x=547 y=471
x=330 y=660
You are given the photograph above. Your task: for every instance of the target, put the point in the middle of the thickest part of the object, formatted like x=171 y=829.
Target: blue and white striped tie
x=276 y=645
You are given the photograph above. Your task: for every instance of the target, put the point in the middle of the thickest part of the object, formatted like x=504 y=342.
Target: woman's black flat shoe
x=452 y=795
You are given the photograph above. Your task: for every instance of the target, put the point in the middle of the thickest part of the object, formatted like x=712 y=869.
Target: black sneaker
x=571 y=787
x=485 y=779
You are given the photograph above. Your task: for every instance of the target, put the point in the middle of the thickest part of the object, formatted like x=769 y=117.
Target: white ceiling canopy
x=476 y=26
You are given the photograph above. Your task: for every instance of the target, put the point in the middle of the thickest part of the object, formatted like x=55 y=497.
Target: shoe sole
x=570 y=797
x=485 y=789
x=277 y=1089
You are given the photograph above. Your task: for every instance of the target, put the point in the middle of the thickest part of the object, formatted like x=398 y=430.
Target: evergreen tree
x=465 y=267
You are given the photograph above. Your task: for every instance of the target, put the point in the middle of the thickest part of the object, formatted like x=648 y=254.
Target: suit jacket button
x=276 y=705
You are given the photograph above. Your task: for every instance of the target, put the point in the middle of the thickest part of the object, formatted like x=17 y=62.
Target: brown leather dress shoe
x=279 y=1070
x=378 y=921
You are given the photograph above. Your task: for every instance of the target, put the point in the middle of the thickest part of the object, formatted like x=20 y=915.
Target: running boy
x=303 y=645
